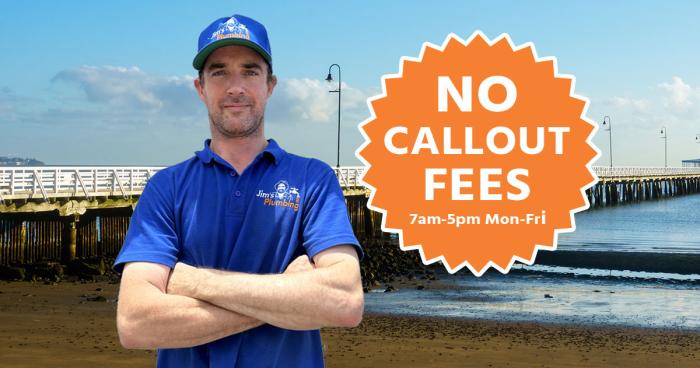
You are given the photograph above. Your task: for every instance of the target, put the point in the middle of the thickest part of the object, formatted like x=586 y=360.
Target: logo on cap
x=231 y=29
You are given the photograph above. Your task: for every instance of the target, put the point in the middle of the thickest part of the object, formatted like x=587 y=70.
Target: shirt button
x=238 y=193
x=233 y=173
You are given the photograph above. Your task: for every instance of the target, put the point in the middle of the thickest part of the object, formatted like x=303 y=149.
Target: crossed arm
x=191 y=306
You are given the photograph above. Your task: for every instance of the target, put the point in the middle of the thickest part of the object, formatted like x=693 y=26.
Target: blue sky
x=110 y=83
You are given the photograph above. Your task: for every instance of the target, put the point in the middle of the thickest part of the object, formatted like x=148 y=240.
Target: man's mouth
x=236 y=106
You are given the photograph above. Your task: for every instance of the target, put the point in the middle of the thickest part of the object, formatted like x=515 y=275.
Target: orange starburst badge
x=478 y=153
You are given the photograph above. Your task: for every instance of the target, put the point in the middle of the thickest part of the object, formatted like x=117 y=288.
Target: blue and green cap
x=234 y=30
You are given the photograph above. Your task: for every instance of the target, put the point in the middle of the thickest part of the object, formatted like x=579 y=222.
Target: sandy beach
x=71 y=324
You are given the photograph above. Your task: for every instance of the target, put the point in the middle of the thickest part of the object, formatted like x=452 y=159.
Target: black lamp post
x=329 y=79
x=665 y=137
x=608 y=126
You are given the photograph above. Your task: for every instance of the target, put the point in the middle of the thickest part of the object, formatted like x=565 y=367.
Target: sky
x=111 y=83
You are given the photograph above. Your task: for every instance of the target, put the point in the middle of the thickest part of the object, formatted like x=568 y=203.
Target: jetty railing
x=44 y=182
x=608 y=173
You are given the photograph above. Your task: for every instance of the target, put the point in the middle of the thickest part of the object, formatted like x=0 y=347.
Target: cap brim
x=201 y=57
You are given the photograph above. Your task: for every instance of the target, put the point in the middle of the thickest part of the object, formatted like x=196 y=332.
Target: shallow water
x=667 y=226
x=580 y=296
x=653 y=303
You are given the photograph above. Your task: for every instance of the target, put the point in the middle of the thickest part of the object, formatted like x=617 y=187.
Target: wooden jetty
x=56 y=213
x=620 y=185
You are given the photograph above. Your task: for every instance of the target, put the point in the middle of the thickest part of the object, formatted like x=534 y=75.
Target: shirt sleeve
x=152 y=236
x=326 y=222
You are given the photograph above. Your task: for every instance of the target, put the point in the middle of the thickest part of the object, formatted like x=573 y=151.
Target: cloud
x=130 y=89
x=118 y=114
x=626 y=102
x=8 y=101
x=637 y=122
x=674 y=101
x=124 y=91
x=680 y=95
x=309 y=100
x=125 y=114
x=15 y=108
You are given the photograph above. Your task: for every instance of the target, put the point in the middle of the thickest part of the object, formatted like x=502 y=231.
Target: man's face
x=235 y=89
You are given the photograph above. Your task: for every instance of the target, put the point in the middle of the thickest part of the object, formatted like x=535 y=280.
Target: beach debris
x=385 y=262
x=420 y=287
x=95 y=298
x=389 y=289
x=86 y=268
x=51 y=271
x=12 y=273
x=547 y=296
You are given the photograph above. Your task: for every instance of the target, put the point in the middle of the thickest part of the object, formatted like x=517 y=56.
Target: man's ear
x=271 y=83
x=200 y=89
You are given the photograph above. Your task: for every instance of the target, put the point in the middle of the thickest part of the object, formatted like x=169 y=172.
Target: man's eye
x=218 y=72
x=251 y=72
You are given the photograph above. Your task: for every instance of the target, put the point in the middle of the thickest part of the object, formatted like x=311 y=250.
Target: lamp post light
x=608 y=126
x=665 y=137
x=697 y=138
x=329 y=79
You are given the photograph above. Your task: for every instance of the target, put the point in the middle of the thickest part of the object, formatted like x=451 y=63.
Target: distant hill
x=18 y=161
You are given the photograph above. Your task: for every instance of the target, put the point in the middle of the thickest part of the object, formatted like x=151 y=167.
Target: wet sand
x=390 y=341
x=72 y=325
x=56 y=326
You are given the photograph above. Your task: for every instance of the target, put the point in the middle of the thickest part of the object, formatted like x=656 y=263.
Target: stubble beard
x=249 y=127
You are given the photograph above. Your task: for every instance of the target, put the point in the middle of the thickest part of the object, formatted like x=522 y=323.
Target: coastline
x=72 y=324
x=395 y=341
x=651 y=261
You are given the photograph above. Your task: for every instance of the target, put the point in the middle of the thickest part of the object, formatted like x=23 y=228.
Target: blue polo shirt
x=204 y=213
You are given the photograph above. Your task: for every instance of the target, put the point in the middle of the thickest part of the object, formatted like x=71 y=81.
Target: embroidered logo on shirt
x=283 y=195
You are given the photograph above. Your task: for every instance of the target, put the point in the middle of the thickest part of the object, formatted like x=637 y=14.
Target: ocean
x=670 y=225
x=576 y=295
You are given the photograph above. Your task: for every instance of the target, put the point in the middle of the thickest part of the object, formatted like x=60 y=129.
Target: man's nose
x=235 y=86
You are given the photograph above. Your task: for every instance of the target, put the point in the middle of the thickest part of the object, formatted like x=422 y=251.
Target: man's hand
x=300 y=264
x=185 y=279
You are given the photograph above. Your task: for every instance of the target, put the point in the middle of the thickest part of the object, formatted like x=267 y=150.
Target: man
x=217 y=272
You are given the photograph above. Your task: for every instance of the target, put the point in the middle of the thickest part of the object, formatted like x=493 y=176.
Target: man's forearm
x=152 y=319
x=300 y=301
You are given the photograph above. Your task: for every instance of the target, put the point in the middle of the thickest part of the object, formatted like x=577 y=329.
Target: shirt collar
x=273 y=151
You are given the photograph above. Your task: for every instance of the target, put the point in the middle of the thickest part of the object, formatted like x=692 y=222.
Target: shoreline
x=678 y=263
x=429 y=341
x=72 y=323
x=552 y=323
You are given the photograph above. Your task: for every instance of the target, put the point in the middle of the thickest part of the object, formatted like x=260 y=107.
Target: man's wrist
x=187 y=280
x=202 y=275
